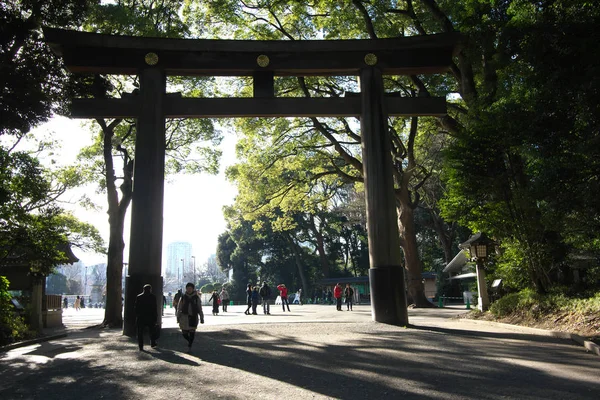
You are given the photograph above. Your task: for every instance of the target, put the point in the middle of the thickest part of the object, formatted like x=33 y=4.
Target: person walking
x=255 y=299
x=146 y=315
x=283 y=292
x=77 y=304
x=82 y=302
x=337 y=293
x=349 y=294
x=248 y=299
x=65 y=302
x=189 y=307
x=265 y=294
x=176 y=298
x=224 y=298
x=216 y=300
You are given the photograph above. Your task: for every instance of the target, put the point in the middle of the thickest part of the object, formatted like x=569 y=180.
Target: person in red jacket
x=337 y=293
x=284 y=297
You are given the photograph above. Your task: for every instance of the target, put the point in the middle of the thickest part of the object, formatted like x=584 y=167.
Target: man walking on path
x=224 y=298
x=146 y=315
x=284 y=298
x=265 y=294
x=337 y=293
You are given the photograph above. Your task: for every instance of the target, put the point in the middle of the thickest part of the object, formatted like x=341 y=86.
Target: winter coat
x=188 y=305
x=265 y=292
x=145 y=308
x=282 y=291
x=337 y=292
x=348 y=293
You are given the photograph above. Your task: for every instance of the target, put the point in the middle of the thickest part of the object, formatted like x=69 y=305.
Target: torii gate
x=155 y=58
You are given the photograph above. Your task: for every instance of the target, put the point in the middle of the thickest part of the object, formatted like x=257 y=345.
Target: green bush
x=208 y=288
x=12 y=327
x=514 y=302
x=529 y=302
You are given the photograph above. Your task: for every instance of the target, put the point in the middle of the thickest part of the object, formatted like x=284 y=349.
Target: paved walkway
x=314 y=352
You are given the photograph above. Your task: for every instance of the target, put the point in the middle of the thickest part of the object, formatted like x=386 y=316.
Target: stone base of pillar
x=134 y=285
x=388 y=295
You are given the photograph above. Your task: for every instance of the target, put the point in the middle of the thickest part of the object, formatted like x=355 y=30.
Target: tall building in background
x=177 y=251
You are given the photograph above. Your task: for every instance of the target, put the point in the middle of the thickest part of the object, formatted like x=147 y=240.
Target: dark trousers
x=284 y=302
x=140 y=332
x=339 y=303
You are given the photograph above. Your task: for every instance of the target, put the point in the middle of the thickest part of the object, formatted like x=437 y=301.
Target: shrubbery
x=12 y=327
x=529 y=302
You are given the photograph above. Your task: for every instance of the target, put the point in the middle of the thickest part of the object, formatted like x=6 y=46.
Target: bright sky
x=192 y=207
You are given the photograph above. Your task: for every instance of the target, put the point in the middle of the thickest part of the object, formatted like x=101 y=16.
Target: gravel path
x=336 y=357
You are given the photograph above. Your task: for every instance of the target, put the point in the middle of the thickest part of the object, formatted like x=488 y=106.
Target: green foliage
x=523 y=167
x=12 y=327
x=31 y=76
x=208 y=288
x=57 y=284
x=528 y=302
x=514 y=302
x=33 y=229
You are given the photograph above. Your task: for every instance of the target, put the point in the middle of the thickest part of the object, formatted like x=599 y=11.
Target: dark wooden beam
x=176 y=107
x=263 y=84
x=96 y=53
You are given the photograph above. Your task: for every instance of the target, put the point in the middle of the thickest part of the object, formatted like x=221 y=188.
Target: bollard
x=231 y=303
x=468 y=304
x=440 y=302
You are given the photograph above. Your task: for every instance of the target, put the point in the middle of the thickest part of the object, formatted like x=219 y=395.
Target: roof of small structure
x=457 y=263
x=479 y=237
x=18 y=256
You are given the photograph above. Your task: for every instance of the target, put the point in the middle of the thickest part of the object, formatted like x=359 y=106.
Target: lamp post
x=194 y=260
x=182 y=277
x=85 y=282
x=478 y=246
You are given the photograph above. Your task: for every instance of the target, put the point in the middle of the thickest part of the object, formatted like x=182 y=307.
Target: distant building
x=177 y=251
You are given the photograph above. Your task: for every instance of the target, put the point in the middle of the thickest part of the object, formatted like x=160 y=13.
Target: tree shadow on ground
x=398 y=363
x=368 y=361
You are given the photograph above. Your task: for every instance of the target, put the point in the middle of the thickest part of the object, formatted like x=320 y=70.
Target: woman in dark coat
x=215 y=302
x=189 y=308
x=249 y=299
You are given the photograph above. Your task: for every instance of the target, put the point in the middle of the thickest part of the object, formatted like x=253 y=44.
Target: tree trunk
x=299 y=264
x=320 y=248
x=408 y=241
x=113 y=313
x=445 y=235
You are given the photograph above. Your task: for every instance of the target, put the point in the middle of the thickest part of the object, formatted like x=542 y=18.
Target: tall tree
x=31 y=77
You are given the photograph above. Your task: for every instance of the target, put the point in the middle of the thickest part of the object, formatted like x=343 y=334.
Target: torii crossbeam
x=155 y=58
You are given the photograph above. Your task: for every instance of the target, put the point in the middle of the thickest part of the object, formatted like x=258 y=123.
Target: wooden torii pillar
x=155 y=58
x=146 y=235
